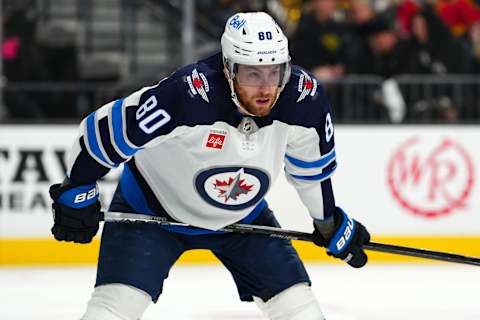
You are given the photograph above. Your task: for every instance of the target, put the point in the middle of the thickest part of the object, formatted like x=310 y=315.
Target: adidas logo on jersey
x=198 y=84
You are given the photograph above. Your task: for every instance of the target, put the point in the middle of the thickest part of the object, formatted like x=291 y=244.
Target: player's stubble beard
x=256 y=100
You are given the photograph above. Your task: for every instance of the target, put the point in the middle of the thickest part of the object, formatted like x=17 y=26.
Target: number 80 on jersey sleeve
x=154 y=120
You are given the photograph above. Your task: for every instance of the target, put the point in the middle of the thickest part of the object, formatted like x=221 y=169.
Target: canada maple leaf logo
x=233 y=187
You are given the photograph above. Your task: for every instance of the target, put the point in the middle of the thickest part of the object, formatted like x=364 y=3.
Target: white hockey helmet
x=254 y=38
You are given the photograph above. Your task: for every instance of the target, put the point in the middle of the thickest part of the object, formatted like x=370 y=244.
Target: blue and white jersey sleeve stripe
x=92 y=137
x=311 y=158
x=311 y=179
x=311 y=170
x=118 y=123
x=118 y=133
x=113 y=133
x=106 y=129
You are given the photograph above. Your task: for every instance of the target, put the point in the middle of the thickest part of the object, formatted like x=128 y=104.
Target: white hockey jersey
x=191 y=155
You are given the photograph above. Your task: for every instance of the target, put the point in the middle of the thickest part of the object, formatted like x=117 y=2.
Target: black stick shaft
x=297 y=235
x=422 y=253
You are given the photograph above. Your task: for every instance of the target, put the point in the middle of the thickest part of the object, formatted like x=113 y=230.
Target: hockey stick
x=295 y=235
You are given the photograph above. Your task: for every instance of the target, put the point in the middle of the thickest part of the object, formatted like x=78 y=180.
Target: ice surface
x=376 y=292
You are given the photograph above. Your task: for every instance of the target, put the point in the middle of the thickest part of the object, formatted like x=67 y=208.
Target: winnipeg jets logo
x=198 y=84
x=232 y=188
x=306 y=86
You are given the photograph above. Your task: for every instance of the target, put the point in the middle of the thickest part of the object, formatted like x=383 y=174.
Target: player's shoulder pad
x=189 y=81
x=199 y=81
x=303 y=101
x=165 y=92
x=303 y=86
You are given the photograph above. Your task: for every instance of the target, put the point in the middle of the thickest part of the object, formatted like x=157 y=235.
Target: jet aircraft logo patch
x=198 y=84
x=306 y=86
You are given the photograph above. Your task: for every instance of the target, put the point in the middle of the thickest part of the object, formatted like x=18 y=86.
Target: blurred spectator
x=22 y=61
x=384 y=55
x=32 y=55
x=378 y=51
x=320 y=42
x=286 y=12
x=432 y=49
x=474 y=37
x=361 y=12
x=361 y=22
x=59 y=47
x=459 y=15
x=404 y=12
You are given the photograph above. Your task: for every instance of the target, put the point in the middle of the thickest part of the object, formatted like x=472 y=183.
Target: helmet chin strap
x=234 y=98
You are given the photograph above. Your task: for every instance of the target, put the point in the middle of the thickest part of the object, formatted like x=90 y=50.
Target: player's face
x=256 y=87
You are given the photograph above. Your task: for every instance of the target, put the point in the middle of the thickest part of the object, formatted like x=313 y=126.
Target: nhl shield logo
x=306 y=86
x=198 y=84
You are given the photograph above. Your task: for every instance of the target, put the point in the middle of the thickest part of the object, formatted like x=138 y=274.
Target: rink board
x=410 y=185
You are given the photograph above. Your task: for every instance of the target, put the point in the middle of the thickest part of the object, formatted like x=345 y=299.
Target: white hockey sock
x=117 y=302
x=295 y=303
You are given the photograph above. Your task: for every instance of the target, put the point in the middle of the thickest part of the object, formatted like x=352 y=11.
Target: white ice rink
x=376 y=292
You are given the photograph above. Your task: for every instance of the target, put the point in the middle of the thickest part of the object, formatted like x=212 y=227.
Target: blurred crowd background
x=382 y=61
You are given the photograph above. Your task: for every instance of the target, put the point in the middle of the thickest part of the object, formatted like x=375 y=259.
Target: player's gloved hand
x=76 y=212
x=344 y=240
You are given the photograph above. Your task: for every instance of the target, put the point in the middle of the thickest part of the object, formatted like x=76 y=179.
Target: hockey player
x=203 y=147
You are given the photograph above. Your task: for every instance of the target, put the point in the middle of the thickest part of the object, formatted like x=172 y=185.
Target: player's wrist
x=74 y=196
x=325 y=229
